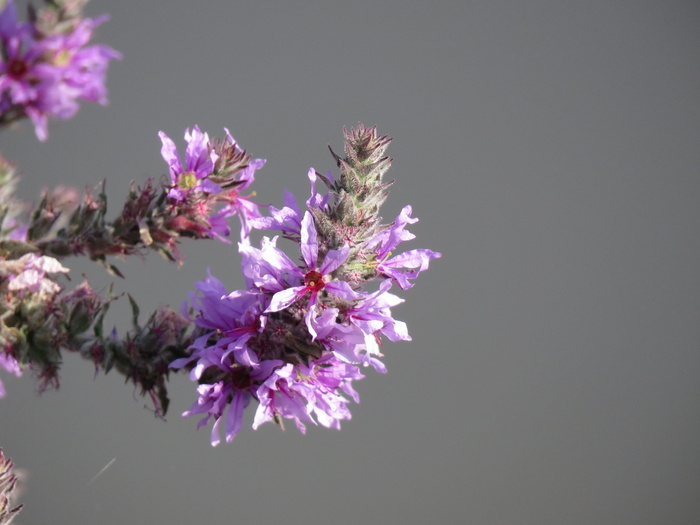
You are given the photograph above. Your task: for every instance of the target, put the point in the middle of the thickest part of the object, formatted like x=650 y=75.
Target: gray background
x=551 y=150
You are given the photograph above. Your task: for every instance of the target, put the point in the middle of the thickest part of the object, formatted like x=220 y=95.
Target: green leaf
x=134 y=310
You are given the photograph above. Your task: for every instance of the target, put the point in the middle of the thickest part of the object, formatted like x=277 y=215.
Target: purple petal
x=333 y=259
x=169 y=154
x=309 y=242
x=341 y=289
x=234 y=418
x=285 y=298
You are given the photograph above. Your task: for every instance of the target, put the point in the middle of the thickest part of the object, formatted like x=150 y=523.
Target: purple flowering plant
x=317 y=296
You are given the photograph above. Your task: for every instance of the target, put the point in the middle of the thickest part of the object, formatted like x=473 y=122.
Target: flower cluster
x=293 y=340
x=46 y=65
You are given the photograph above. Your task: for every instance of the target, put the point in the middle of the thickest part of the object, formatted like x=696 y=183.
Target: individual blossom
x=354 y=333
x=228 y=398
x=288 y=218
x=199 y=164
x=315 y=277
x=44 y=75
x=213 y=171
x=402 y=267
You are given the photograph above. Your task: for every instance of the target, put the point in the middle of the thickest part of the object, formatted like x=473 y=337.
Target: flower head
x=295 y=338
x=199 y=164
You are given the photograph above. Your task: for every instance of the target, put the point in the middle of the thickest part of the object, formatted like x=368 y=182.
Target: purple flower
x=300 y=392
x=315 y=277
x=235 y=389
x=288 y=218
x=404 y=266
x=43 y=77
x=212 y=402
x=211 y=168
x=296 y=338
x=246 y=209
x=234 y=317
x=199 y=164
x=355 y=336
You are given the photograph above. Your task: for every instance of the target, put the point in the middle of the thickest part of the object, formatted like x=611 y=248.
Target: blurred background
x=551 y=151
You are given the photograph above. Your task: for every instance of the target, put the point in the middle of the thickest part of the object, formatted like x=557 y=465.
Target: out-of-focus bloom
x=8 y=364
x=44 y=76
x=33 y=275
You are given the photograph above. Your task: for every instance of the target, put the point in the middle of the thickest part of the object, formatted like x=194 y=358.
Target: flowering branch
x=39 y=321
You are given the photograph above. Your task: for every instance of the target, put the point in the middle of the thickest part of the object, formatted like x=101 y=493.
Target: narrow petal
x=341 y=289
x=169 y=154
x=285 y=298
x=309 y=242
x=333 y=259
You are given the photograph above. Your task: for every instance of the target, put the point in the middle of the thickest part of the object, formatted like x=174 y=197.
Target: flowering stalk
x=294 y=338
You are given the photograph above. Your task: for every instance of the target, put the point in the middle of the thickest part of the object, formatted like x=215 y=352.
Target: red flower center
x=16 y=68
x=314 y=280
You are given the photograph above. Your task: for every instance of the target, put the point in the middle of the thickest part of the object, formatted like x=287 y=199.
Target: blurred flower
x=32 y=276
x=44 y=75
x=8 y=364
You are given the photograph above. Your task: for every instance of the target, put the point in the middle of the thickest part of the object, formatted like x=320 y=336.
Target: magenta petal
x=309 y=243
x=234 y=418
x=169 y=154
x=333 y=259
x=283 y=299
x=342 y=289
